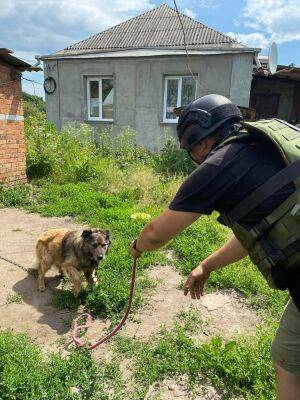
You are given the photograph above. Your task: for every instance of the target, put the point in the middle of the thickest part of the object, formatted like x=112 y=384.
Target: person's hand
x=134 y=251
x=196 y=281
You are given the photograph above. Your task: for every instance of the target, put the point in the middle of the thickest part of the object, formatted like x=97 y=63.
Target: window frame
x=99 y=80
x=179 y=89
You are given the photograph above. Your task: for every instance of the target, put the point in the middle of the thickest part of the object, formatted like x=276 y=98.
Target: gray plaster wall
x=139 y=87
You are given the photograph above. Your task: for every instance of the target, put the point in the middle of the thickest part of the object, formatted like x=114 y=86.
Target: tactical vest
x=274 y=243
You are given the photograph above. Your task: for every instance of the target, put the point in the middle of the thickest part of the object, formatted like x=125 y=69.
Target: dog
x=71 y=252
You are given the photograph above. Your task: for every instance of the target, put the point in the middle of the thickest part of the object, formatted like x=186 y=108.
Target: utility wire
x=31 y=80
x=184 y=41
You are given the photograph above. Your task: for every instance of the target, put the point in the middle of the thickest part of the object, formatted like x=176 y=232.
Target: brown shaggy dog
x=71 y=252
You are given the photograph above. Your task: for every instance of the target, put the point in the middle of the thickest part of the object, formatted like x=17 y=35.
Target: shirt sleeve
x=203 y=189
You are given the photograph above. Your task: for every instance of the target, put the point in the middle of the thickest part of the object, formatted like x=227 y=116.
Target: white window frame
x=99 y=80
x=179 y=78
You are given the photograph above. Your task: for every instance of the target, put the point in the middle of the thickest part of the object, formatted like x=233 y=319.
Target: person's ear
x=199 y=146
x=206 y=144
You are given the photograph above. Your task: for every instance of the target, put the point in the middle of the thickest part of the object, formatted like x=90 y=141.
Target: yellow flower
x=141 y=216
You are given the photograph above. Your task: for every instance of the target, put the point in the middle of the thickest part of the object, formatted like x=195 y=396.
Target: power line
x=184 y=41
x=31 y=80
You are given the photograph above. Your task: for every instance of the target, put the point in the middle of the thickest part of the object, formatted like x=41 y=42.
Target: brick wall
x=12 y=141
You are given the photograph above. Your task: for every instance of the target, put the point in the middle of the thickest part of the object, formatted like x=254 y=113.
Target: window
x=100 y=99
x=179 y=91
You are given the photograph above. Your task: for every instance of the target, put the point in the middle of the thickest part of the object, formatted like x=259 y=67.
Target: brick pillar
x=12 y=141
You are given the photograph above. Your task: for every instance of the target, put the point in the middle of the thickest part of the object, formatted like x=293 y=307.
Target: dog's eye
x=104 y=245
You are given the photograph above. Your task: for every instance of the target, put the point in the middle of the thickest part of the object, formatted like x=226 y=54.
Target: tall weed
x=172 y=160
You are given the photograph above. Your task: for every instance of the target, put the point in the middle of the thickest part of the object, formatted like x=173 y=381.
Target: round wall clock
x=49 y=85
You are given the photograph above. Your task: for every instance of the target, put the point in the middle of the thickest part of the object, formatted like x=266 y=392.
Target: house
x=12 y=142
x=135 y=73
x=277 y=95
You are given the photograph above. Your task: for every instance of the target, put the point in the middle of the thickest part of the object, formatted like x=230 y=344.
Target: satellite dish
x=272 y=58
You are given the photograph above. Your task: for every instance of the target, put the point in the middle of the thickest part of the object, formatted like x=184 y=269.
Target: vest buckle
x=276 y=258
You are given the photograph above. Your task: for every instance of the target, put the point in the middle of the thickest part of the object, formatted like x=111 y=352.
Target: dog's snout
x=100 y=257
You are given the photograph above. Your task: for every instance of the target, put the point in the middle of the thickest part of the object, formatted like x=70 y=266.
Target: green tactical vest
x=274 y=243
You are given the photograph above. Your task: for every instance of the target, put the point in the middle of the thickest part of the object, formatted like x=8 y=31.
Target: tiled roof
x=157 y=28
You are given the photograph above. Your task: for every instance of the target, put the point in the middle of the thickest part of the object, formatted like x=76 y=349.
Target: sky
x=39 y=27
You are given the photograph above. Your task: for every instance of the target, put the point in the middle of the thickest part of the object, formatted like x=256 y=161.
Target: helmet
x=203 y=116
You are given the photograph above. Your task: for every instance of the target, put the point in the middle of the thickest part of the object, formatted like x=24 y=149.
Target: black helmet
x=203 y=116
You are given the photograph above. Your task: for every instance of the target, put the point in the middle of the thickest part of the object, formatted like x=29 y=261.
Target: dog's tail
x=38 y=252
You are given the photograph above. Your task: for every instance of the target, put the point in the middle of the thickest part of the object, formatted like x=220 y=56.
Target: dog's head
x=96 y=243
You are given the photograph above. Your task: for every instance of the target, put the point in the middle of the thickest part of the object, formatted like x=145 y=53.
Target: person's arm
x=162 y=229
x=231 y=252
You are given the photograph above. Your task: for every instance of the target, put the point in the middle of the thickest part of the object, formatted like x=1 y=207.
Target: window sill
x=101 y=121
x=168 y=123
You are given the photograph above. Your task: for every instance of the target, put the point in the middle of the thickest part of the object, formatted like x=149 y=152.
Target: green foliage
x=122 y=148
x=190 y=320
x=33 y=105
x=26 y=374
x=64 y=299
x=197 y=242
x=173 y=160
x=66 y=156
x=40 y=146
x=76 y=153
x=14 y=196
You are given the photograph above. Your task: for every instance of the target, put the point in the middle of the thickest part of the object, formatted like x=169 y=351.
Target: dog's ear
x=107 y=234
x=86 y=234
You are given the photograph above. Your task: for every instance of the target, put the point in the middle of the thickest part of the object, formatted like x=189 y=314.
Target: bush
x=33 y=105
x=77 y=153
x=173 y=160
x=66 y=156
x=41 y=143
x=14 y=196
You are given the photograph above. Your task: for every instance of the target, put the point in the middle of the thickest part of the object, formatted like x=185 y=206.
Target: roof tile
x=159 y=27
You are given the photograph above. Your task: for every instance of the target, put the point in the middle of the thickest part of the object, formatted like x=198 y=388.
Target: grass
x=239 y=367
x=26 y=374
x=14 y=298
x=190 y=321
x=102 y=187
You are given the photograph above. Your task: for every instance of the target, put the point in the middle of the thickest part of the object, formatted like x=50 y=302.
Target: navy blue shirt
x=230 y=174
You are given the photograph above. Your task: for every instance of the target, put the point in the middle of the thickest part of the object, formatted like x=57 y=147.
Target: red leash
x=76 y=328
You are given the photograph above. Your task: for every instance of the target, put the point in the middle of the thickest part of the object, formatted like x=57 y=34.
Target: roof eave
x=7 y=57
x=168 y=50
